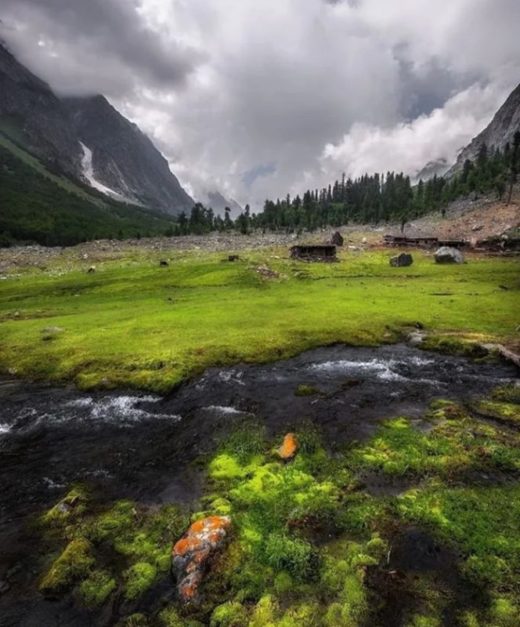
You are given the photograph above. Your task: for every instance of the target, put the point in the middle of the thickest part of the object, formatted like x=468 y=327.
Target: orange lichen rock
x=289 y=447
x=191 y=555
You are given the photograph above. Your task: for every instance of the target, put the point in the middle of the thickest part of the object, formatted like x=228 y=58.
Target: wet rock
x=4 y=587
x=337 y=239
x=289 y=447
x=446 y=254
x=401 y=261
x=193 y=553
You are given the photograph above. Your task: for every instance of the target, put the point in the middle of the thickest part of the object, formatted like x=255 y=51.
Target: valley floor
x=136 y=323
x=400 y=506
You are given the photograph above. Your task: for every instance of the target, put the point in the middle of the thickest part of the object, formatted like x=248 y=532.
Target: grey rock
x=446 y=254
x=401 y=261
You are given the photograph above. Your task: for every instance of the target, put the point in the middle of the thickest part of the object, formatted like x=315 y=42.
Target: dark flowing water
x=140 y=446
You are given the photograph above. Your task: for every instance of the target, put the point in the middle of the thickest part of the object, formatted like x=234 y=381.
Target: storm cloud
x=260 y=99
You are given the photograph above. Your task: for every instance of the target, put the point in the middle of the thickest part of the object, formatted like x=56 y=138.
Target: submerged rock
x=193 y=553
x=289 y=447
x=447 y=254
x=401 y=261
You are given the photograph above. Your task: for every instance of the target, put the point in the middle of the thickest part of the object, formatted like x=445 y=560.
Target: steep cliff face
x=86 y=139
x=123 y=158
x=33 y=116
x=497 y=134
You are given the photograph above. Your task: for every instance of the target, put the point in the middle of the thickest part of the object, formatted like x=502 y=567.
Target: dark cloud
x=103 y=38
x=257 y=99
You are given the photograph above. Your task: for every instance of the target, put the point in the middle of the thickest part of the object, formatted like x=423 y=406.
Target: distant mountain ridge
x=122 y=162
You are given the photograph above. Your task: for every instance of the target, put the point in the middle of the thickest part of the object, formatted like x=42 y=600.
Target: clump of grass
x=304 y=389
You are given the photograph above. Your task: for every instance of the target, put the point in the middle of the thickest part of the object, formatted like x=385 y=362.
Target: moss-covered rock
x=138 y=578
x=74 y=564
x=96 y=588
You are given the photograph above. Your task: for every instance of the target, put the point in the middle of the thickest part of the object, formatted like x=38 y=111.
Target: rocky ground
x=473 y=220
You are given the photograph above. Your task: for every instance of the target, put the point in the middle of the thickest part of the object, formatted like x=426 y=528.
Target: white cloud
x=408 y=146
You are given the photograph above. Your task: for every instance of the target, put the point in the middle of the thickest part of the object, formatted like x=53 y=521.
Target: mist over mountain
x=497 y=134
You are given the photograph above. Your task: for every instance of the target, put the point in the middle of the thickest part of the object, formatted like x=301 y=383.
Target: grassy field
x=133 y=323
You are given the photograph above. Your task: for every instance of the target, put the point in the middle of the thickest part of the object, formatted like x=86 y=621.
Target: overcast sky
x=260 y=98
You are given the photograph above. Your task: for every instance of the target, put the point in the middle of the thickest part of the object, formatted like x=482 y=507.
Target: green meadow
x=134 y=323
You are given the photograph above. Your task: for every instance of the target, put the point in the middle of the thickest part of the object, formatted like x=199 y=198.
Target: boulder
x=194 y=552
x=337 y=239
x=401 y=261
x=289 y=448
x=447 y=254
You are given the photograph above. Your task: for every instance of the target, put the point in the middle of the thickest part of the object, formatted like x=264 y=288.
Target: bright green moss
x=138 y=578
x=484 y=522
x=420 y=620
x=296 y=556
x=306 y=390
x=68 y=509
x=505 y=412
x=118 y=520
x=505 y=612
x=72 y=565
x=230 y=614
x=300 y=615
x=265 y=612
x=170 y=617
x=95 y=590
x=134 y=620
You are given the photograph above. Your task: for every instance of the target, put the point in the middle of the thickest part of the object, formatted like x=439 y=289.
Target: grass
x=133 y=323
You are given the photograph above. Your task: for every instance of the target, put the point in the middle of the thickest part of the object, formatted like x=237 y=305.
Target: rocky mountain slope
x=86 y=139
x=497 y=134
x=35 y=118
x=123 y=158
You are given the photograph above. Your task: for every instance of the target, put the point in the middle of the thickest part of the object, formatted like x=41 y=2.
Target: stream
x=128 y=444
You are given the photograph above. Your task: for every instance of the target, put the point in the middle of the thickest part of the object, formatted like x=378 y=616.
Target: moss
x=303 y=614
x=507 y=394
x=482 y=522
x=74 y=564
x=420 y=620
x=504 y=412
x=134 y=620
x=138 y=578
x=303 y=389
x=95 y=590
x=230 y=614
x=291 y=554
x=504 y=612
x=170 y=617
x=68 y=509
x=265 y=612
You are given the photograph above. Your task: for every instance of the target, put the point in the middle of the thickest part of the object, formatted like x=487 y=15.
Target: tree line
x=368 y=199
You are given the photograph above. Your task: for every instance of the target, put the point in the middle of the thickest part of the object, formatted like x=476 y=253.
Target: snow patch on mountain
x=88 y=173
